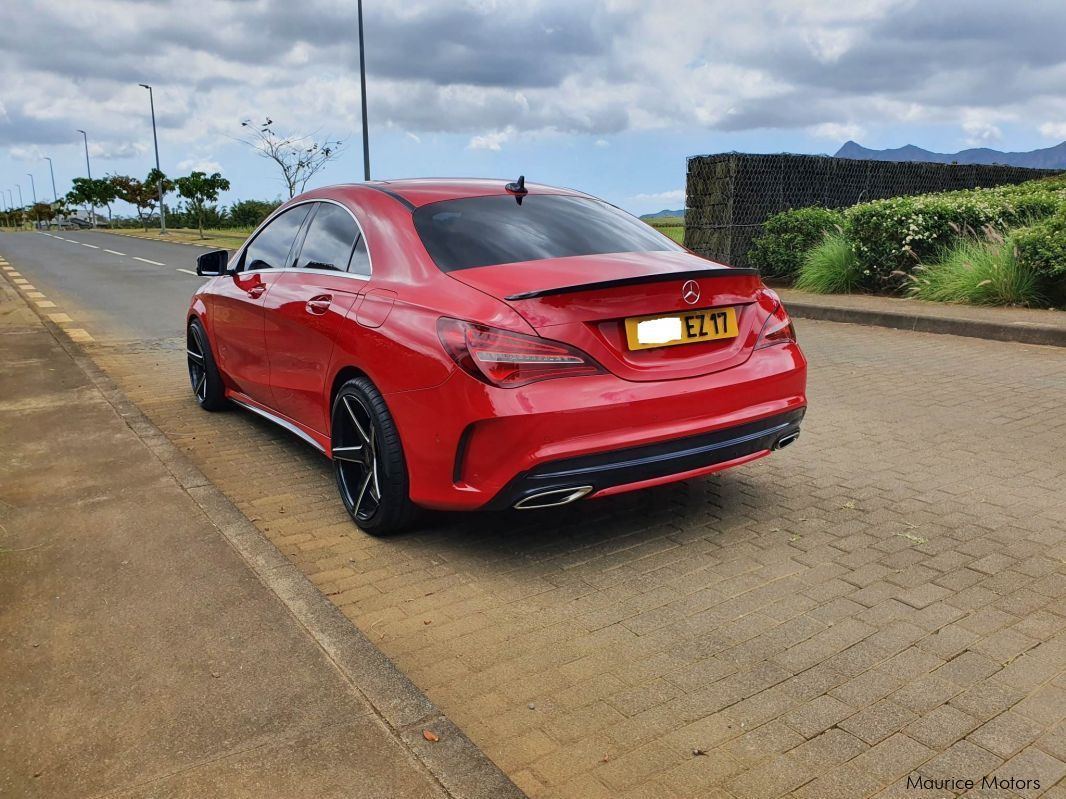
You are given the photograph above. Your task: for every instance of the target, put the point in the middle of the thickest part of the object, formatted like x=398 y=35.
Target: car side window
x=360 y=263
x=331 y=237
x=270 y=249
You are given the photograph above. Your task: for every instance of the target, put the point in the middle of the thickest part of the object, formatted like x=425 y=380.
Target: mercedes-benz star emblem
x=690 y=292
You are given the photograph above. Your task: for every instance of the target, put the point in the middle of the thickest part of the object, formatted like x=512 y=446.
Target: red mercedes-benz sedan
x=466 y=344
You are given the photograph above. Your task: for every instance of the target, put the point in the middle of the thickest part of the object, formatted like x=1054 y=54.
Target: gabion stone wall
x=730 y=195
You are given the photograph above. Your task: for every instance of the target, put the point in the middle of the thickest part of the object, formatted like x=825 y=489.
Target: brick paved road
x=886 y=598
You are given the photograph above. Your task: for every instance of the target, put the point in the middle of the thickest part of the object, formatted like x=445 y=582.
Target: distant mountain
x=1047 y=158
x=665 y=212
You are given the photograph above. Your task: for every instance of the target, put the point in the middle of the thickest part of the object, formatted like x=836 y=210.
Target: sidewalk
x=1002 y=324
x=152 y=644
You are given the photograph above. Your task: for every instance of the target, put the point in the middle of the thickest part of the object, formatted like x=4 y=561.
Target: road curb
x=1021 y=332
x=460 y=767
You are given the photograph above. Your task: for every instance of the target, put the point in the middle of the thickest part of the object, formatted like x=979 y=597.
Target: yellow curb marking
x=15 y=274
x=35 y=295
x=21 y=281
x=60 y=318
x=45 y=304
x=77 y=334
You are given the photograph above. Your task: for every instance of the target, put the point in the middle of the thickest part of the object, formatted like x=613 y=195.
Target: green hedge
x=893 y=236
x=786 y=237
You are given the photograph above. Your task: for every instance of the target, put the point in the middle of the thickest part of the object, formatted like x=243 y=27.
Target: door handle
x=255 y=292
x=317 y=306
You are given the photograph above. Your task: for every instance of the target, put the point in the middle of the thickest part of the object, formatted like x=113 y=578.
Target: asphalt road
x=115 y=286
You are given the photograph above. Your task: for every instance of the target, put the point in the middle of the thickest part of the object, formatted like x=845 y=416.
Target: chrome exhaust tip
x=553 y=498
x=786 y=439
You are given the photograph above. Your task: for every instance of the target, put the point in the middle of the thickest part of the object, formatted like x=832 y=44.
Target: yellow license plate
x=669 y=330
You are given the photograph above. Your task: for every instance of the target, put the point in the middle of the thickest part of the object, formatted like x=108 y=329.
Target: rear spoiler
x=725 y=271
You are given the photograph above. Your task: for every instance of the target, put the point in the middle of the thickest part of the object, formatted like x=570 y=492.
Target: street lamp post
x=52 y=172
x=362 y=83
x=33 y=186
x=21 y=203
x=155 y=141
x=89 y=173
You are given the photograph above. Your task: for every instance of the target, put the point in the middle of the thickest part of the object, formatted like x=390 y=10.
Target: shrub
x=786 y=237
x=978 y=272
x=831 y=267
x=893 y=236
x=1042 y=247
x=249 y=213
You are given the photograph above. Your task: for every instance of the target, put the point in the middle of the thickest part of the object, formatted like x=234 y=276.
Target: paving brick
x=1007 y=733
x=878 y=721
x=817 y=716
x=1036 y=771
x=941 y=727
x=635 y=623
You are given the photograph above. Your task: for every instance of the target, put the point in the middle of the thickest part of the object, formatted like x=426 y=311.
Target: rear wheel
x=368 y=460
x=203 y=375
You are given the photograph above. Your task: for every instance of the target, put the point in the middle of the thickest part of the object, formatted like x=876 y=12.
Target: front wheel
x=368 y=460
x=203 y=374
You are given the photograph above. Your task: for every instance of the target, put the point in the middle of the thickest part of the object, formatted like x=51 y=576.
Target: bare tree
x=298 y=157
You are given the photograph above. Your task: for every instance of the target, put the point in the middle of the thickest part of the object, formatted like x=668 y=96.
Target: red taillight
x=509 y=360
x=778 y=328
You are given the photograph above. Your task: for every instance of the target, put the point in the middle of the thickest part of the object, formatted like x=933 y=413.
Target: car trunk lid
x=585 y=300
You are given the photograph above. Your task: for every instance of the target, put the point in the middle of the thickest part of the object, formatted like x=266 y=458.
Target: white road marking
x=83 y=244
x=188 y=272
x=113 y=252
x=145 y=260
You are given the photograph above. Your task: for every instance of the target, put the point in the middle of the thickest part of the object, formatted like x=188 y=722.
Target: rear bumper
x=635 y=467
x=471 y=446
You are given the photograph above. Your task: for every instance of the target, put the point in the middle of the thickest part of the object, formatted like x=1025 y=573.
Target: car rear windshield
x=483 y=231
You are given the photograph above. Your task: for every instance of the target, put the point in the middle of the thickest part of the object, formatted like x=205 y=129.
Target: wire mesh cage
x=730 y=195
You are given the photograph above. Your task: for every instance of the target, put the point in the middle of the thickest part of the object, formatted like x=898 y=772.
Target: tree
x=98 y=191
x=298 y=157
x=249 y=213
x=141 y=194
x=199 y=189
x=42 y=212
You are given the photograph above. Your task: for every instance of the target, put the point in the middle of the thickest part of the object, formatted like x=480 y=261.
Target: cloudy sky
x=609 y=96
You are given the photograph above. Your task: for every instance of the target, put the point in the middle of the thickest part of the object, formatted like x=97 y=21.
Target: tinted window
x=330 y=239
x=480 y=231
x=360 y=263
x=270 y=249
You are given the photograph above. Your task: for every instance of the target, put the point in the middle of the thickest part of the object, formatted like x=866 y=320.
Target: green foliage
x=249 y=213
x=1042 y=247
x=893 y=236
x=786 y=237
x=199 y=188
x=986 y=271
x=831 y=267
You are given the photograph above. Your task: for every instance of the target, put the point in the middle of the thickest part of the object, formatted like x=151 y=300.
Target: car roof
x=421 y=191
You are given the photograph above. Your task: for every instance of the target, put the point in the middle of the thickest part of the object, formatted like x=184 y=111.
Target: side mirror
x=212 y=264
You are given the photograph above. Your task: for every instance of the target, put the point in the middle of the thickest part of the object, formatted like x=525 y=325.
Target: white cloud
x=672 y=196
x=199 y=165
x=413 y=137
x=838 y=131
x=601 y=143
x=981 y=133
x=1054 y=130
x=493 y=140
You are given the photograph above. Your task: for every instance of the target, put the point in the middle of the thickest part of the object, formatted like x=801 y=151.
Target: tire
x=368 y=460
x=203 y=374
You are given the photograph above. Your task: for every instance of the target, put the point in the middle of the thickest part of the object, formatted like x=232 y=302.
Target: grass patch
x=830 y=267
x=228 y=239
x=977 y=272
x=676 y=232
